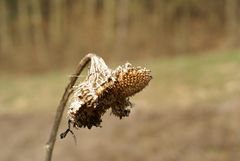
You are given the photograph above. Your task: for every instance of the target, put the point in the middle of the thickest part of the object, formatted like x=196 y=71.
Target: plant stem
x=68 y=90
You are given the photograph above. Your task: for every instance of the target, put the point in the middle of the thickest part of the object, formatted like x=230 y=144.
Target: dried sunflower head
x=103 y=89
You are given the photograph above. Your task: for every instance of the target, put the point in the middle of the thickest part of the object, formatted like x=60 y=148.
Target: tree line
x=42 y=34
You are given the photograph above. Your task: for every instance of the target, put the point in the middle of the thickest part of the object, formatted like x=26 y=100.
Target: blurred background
x=189 y=112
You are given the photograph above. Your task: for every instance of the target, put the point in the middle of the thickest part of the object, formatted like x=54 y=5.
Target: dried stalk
x=52 y=138
x=103 y=89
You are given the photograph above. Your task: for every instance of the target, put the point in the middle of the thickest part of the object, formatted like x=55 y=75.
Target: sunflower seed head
x=103 y=89
x=130 y=80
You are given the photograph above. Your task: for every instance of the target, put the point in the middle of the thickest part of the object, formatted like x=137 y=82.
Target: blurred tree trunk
x=182 y=29
x=90 y=12
x=23 y=24
x=55 y=32
x=6 y=44
x=24 y=36
x=122 y=27
x=38 y=34
x=108 y=23
x=74 y=29
x=55 y=21
x=232 y=24
x=159 y=23
x=91 y=26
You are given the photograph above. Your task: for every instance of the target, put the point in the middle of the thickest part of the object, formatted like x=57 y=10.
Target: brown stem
x=68 y=90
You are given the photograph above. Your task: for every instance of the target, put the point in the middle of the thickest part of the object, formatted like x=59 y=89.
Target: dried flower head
x=105 y=89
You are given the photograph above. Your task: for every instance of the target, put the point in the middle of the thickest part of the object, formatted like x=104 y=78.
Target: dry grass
x=189 y=112
x=187 y=81
x=203 y=133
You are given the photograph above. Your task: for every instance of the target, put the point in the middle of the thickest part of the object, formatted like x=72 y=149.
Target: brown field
x=189 y=112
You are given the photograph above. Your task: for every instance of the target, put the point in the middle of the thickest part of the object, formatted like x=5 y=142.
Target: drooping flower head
x=105 y=89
